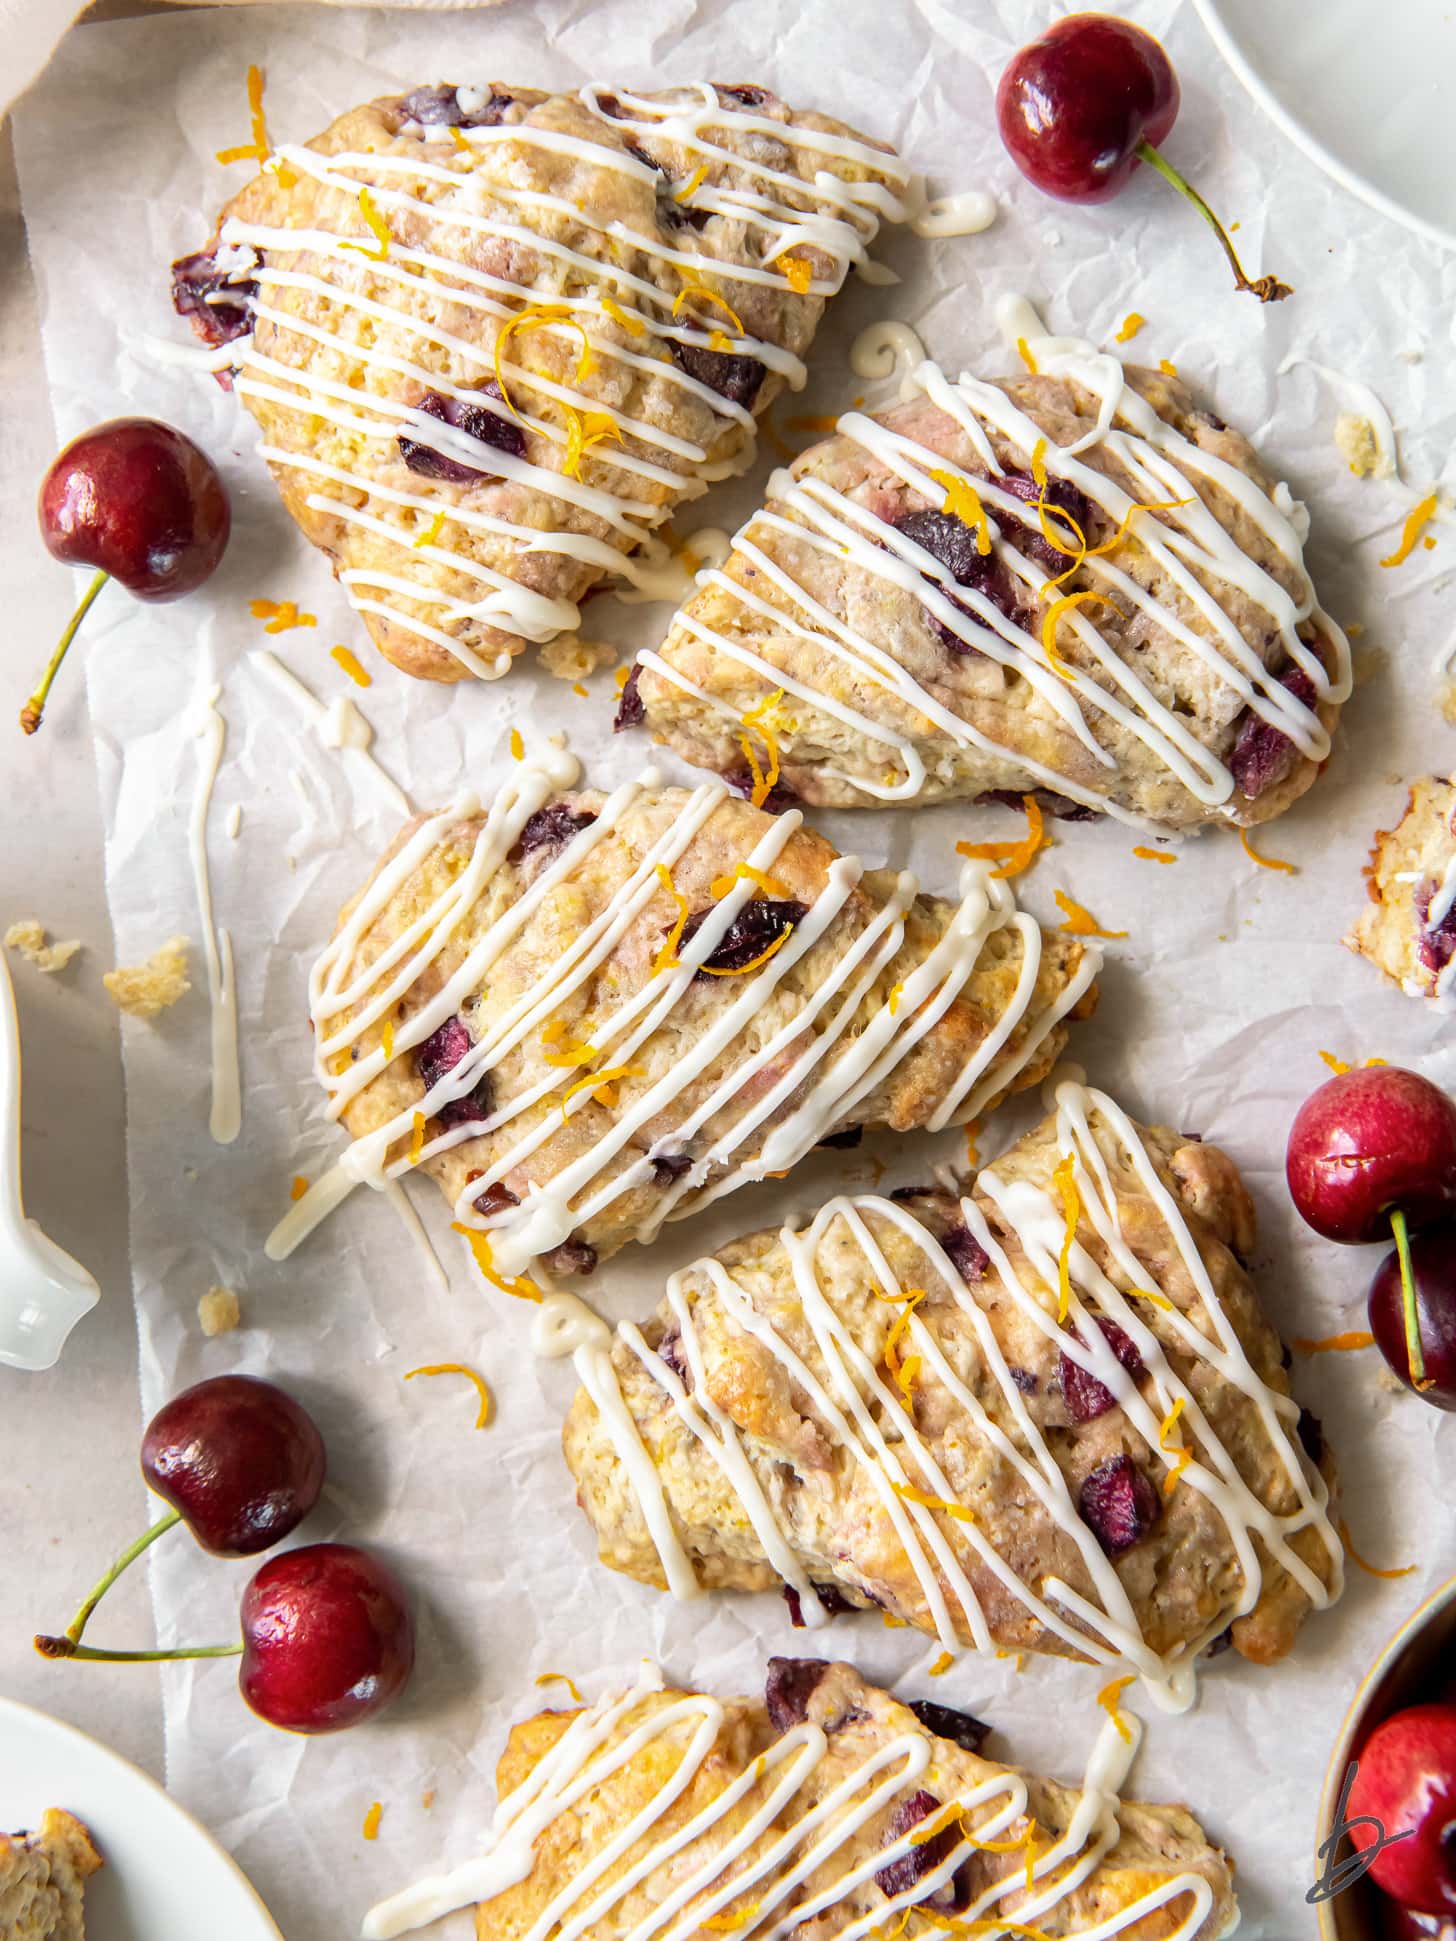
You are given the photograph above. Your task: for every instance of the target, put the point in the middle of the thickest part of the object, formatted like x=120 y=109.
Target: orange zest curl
x=667 y=956
x=377 y=224
x=1080 y=921
x=694 y=182
x=600 y=1084
x=1065 y=1181
x=1265 y=862
x=693 y=289
x=1013 y=857
x=624 y=319
x=1416 y=521
x=560 y=1678
x=430 y=533
x=479 y=1242
x=913 y=1495
x=584 y=431
x=1068 y=603
x=746 y=873
x=1108 y=1698
x=1153 y=855
x=1337 y=1344
x=764 y=779
x=1181 y=1456
x=754 y=963
x=963 y=502
x=1355 y=1558
x=539 y=316
x=351 y=667
x=259 y=148
x=902 y=1373
x=459 y=1368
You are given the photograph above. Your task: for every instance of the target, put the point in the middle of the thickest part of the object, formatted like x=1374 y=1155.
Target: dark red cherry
x=1433 y=1273
x=1369 y=1141
x=327 y=1638
x=1406 y=1787
x=138 y=502
x=1081 y=106
x=241 y=1462
x=1073 y=105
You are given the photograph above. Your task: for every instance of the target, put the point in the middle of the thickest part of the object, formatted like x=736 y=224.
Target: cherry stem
x=129 y=1556
x=34 y=709
x=1414 y=1353
x=68 y=1648
x=1268 y=289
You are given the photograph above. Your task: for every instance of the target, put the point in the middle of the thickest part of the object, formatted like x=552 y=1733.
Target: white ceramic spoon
x=43 y=1292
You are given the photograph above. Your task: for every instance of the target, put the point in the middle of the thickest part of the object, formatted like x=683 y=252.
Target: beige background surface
x=72 y=1110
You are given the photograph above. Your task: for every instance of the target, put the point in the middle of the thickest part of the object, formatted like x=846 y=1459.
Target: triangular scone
x=43 y=1879
x=885 y=1405
x=498 y=335
x=912 y=615
x=1408 y=926
x=586 y=1014
x=824 y=1809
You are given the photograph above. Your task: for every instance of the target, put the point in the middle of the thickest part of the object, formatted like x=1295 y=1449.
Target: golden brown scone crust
x=905 y=1099
x=1405 y=872
x=820 y=752
x=1150 y=1844
x=43 y=1879
x=494 y=173
x=1182 y=1577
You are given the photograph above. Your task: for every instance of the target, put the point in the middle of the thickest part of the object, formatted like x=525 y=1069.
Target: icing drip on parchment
x=1187 y=545
x=861 y=1409
x=617 y=316
x=226 y=1116
x=795 y=1829
x=803 y=1081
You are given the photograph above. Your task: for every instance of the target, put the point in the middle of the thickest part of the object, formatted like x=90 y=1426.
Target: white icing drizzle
x=414 y=1227
x=1188 y=545
x=862 y=1411
x=809 y=1074
x=964 y=214
x=338 y=724
x=759 y=1870
x=662 y=575
x=226 y=1116
x=888 y=349
x=1366 y=402
x=234 y=821
x=841 y=221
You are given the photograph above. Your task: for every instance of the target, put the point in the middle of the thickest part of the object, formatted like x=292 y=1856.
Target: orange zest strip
x=902 y=1373
x=1013 y=857
x=938 y=1670
x=1149 y=1294
x=560 y=1678
x=732 y=1923
x=963 y=502
x=280 y=615
x=372 y=1819
x=583 y=434
x=1050 y=619
x=1108 y=1698
x=379 y=227
x=1154 y=855
x=538 y=316
x=624 y=319
x=1181 y=1456
x=460 y=138
x=1023 y=351
x=358 y=675
x=692 y=185
x=386 y=1039
x=1360 y=1563
x=1336 y=1065
x=257 y=150
x=479 y=1242
x=754 y=963
x=1132 y=323
x=913 y=1495
x=1337 y=1344
x=602 y=1079
x=1416 y=520
x=1064 y=1179
x=764 y=780
x=693 y=288
x=459 y=1368
x=1265 y=862
x=1038 y=464
x=517 y=746
x=298 y=1188
x=430 y=533
x=1080 y=921
x=667 y=956
x=798 y=273
x=417 y=1138
x=1168 y=369
x=746 y=873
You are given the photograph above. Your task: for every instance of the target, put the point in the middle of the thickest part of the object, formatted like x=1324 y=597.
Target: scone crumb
x=1447 y=701
x=1368 y=662
x=29 y=938
x=570 y=658
x=218 y=1311
x=1355 y=437
x=144 y=990
x=427 y=1798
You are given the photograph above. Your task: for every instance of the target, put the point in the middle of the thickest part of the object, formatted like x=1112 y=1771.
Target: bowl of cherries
x=327 y=1636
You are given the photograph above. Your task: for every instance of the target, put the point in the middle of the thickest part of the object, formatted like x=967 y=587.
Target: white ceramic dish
x=43 y=1292
x=165 y=1877
x=1362 y=90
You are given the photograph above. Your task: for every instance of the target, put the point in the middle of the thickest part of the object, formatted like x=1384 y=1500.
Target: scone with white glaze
x=43 y=1879
x=1074 y=584
x=584 y=1015
x=1408 y=926
x=493 y=336
x=904 y=1404
x=826 y=1808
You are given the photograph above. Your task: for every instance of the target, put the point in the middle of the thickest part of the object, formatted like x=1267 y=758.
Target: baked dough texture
x=826 y=1808
x=884 y=1406
x=1075 y=584
x=498 y=335
x=1407 y=927
x=43 y=1879
x=584 y=1014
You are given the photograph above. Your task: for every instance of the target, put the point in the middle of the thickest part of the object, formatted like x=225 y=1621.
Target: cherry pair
x=327 y=1634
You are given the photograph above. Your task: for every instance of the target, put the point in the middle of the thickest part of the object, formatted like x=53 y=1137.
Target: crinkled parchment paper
x=1230 y=982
